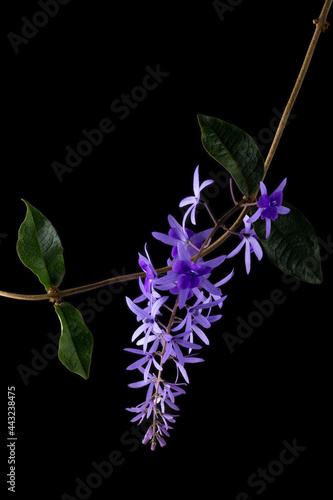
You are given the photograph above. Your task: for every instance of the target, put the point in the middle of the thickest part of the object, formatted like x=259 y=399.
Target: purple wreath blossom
x=148 y=318
x=181 y=367
x=194 y=317
x=143 y=410
x=250 y=240
x=223 y=281
x=165 y=399
x=146 y=357
x=147 y=266
x=179 y=234
x=193 y=201
x=149 y=436
x=270 y=206
x=189 y=273
x=173 y=347
x=186 y=276
x=171 y=390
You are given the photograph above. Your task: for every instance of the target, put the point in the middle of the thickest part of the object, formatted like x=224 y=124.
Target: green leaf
x=76 y=341
x=39 y=248
x=292 y=245
x=235 y=150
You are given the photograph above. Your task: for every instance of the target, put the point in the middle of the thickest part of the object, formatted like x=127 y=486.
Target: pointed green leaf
x=292 y=245
x=235 y=150
x=76 y=341
x=39 y=248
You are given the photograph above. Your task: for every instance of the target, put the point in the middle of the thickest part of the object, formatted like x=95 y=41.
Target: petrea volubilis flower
x=179 y=234
x=194 y=317
x=250 y=240
x=147 y=357
x=270 y=206
x=173 y=346
x=193 y=201
x=148 y=316
x=186 y=276
x=147 y=266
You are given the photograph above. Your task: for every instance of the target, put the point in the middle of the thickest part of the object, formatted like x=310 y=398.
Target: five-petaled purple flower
x=270 y=206
x=148 y=316
x=194 y=200
x=250 y=240
x=186 y=276
x=147 y=266
x=179 y=234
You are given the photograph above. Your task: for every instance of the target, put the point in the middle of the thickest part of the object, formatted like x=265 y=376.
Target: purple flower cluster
x=179 y=305
x=172 y=324
x=269 y=208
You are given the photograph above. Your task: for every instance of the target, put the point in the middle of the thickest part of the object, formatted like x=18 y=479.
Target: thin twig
x=321 y=25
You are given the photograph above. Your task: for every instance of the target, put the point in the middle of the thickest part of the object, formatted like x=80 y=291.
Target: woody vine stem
x=55 y=295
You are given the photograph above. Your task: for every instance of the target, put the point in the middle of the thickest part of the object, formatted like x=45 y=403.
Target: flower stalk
x=159 y=376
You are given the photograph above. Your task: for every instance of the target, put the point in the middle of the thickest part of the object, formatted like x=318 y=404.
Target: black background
x=240 y=406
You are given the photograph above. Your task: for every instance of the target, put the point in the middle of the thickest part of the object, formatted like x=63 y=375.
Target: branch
x=321 y=26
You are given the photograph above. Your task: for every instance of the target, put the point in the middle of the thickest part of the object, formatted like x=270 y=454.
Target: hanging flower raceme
x=168 y=347
x=180 y=307
x=171 y=340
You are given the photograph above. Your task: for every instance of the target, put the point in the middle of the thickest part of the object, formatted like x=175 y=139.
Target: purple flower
x=193 y=201
x=148 y=318
x=143 y=411
x=147 y=357
x=173 y=349
x=151 y=382
x=187 y=275
x=223 y=281
x=195 y=317
x=157 y=437
x=147 y=266
x=172 y=390
x=250 y=240
x=187 y=237
x=269 y=207
x=180 y=366
x=148 y=436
